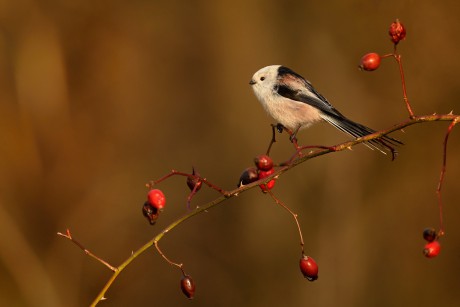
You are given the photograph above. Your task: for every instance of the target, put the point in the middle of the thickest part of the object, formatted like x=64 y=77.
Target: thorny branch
x=68 y=236
x=397 y=33
x=282 y=169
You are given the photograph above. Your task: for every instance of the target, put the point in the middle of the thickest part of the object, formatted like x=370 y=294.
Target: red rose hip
x=263 y=162
x=188 y=286
x=156 y=198
x=370 y=61
x=309 y=268
x=269 y=185
x=432 y=249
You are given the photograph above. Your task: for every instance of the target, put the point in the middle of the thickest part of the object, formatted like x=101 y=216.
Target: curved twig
x=229 y=194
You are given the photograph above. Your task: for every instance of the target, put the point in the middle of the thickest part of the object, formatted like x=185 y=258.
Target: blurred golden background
x=98 y=97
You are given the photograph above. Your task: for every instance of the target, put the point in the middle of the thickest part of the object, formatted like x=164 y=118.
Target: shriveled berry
x=269 y=185
x=397 y=32
x=309 y=268
x=156 y=198
x=249 y=175
x=194 y=183
x=150 y=212
x=370 y=62
x=263 y=162
x=188 y=286
x=432 y=249
x=429 y=234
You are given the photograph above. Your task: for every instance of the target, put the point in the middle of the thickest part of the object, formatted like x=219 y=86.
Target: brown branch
x=68 y=236
x=179 y=265
x=229 y=194
x=192 y=176
x=299 y=157
x=373 y=136
x=273 y=140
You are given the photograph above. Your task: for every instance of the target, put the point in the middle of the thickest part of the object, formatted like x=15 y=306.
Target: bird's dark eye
x=262 y=78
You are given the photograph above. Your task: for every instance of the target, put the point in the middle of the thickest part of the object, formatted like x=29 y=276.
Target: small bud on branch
x=397 y=32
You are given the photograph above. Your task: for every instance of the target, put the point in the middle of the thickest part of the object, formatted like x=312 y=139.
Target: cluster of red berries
x=432 y=248
x=155 y=203
x=156 y=200
x=371 y=61
x=263 y=169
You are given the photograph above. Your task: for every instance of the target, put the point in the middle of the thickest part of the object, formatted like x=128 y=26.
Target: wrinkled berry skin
x=309 y=268
x=248 y=176
x=397 y=32
x=429 y=234
x=194 y=183
x=188 y=286
x=150 y=212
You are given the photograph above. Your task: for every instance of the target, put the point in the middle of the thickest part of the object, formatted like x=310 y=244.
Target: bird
x=295 y=104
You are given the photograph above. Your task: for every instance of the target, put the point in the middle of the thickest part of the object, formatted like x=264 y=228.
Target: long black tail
x=384 y=144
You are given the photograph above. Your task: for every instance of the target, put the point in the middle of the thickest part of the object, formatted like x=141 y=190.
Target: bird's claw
x=279 y=128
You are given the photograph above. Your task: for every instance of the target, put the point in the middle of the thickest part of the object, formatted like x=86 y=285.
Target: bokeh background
x=98 y=97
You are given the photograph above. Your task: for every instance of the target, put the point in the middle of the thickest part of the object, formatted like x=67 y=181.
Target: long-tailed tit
x=295 y=104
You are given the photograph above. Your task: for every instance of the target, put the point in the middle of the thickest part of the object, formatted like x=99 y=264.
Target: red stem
x=294 y=215
x=441 y=177
x=403 y=83
x=398 y=59
x=194 y=177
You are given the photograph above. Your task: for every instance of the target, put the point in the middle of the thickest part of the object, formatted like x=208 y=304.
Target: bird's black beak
x=252 y=82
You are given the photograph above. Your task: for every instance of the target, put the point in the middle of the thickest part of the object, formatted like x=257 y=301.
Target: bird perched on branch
x=295 y=104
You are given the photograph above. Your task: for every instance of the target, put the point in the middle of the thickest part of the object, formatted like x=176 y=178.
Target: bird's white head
x=264 y=80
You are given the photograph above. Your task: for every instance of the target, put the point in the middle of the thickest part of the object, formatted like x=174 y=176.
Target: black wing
x=295 y=87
